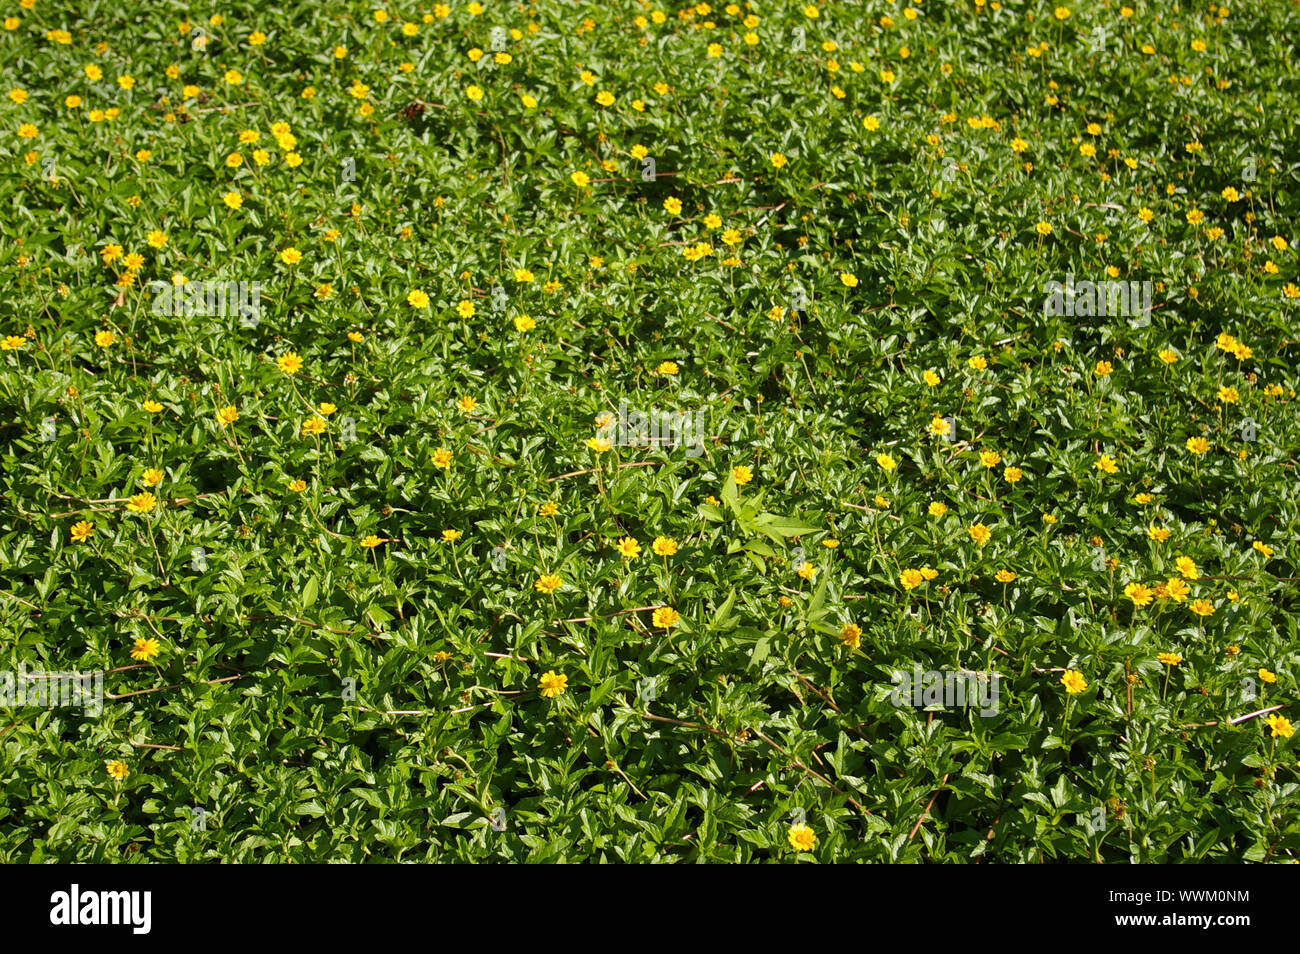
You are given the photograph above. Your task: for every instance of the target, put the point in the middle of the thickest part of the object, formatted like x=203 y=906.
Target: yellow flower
x=605 y=98
x=664 y=546
x=580 y=179
x=1004 y=576
x=553 y=684
x=1187 y=567
x=1073 y=681
x=118 y=770
x=291 y=256
x=298 y=486
x=1043 y=228
x=105 y=339
x=145 y=648
x=1202 y=607
x=937 y=508
x=141 y=502
x=12 y=343
x=1106 y=464
x=1170 y=659
x=801 y=837
x=152 y=477
x=442 y=458
x=848 y=279
x=82 y=531
x=931 y=378
x=370 y=541
x=314 y=425
x=673 y=205
x=886 y=462
x=227 y=415
x=667 y=368
x=911 y=579
x=467 y=404
x=1013 y=475
x=1158 y=534
x=1280 y=726
x=990 y=459
x=524 y=324
x=450 y=536
x=598 y=444
x=1103 y=369
x=289 y=362
x=548 y=583
x=233 y=200
x=548 y=509
x=980 y=533
x=978 y=363
x=1266 y=676
x=777 y=159
x=851 y=635
x=742 y=474
x=628 y=548
x=1263 y=548
x=665 y=617
x=1140 y=594
x=417 y=299
x=465 y=308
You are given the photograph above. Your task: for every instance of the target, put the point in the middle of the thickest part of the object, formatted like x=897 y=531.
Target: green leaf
x=310 y=591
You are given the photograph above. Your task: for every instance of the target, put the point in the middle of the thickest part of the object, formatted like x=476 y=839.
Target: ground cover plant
x=634 y=432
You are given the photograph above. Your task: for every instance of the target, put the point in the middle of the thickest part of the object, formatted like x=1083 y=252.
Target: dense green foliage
x=774 y=228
